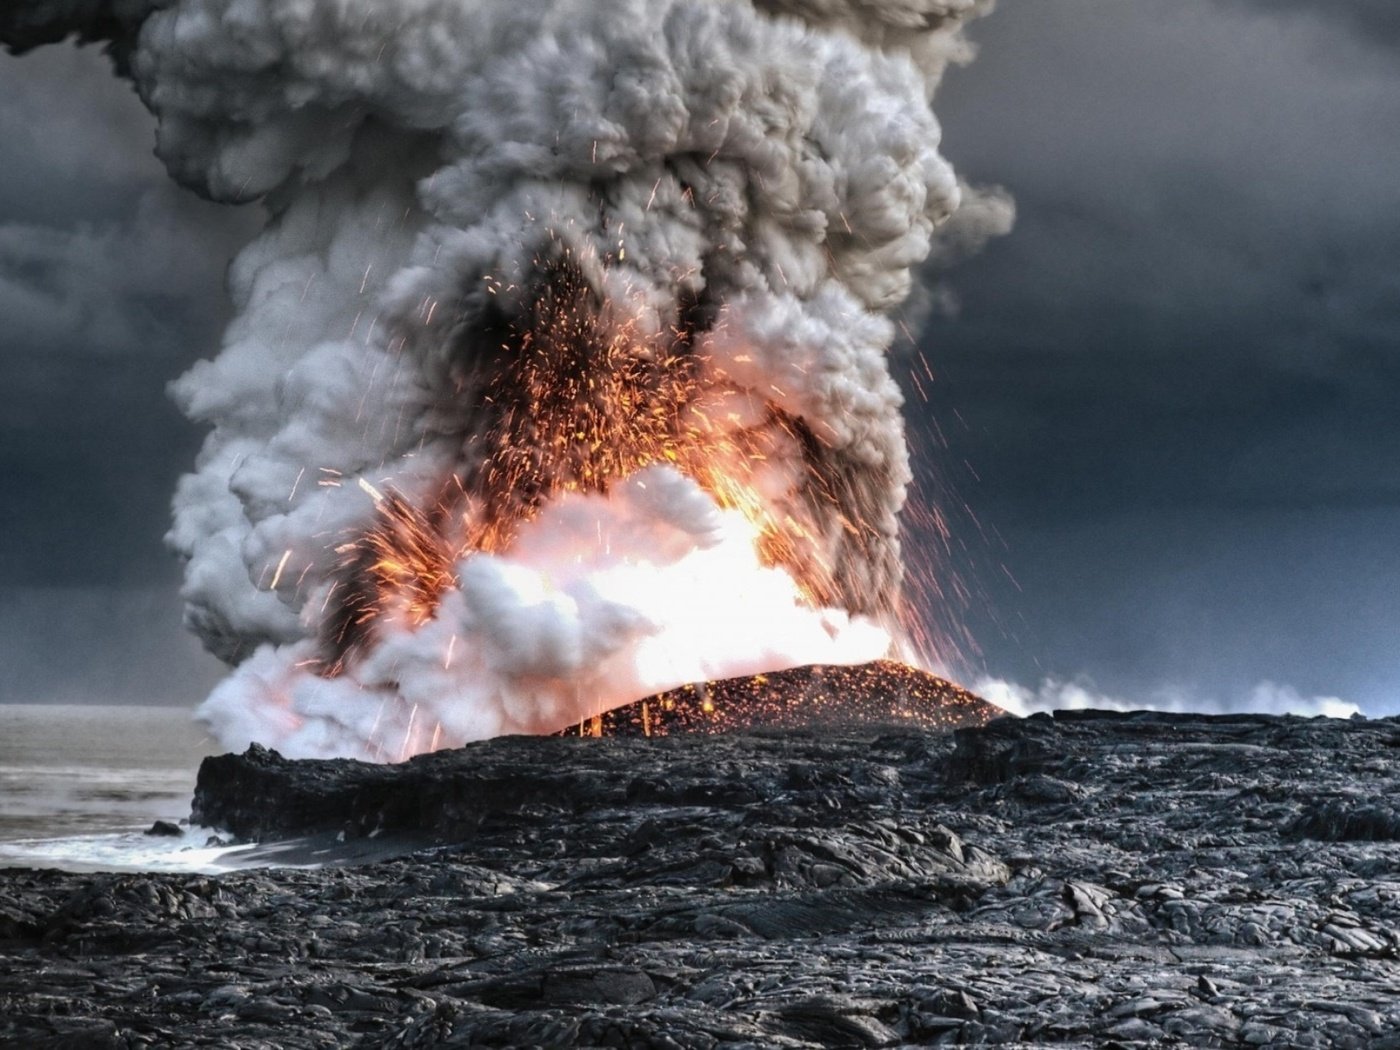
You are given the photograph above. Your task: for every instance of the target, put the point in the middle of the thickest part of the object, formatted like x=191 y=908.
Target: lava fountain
x=559 y=375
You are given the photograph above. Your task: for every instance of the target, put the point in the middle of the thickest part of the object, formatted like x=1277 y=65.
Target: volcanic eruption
x=558 y=377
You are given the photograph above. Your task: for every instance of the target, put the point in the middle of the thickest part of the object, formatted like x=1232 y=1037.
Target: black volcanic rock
x=1086 y=880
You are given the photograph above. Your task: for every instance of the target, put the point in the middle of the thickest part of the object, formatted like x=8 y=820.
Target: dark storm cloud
x=1375 y=21
x=1189 y=347
x=73 y=645
x=25 y=24
x=1205 y=267
x=77 y=143
x=98 y=251
x=110 y=285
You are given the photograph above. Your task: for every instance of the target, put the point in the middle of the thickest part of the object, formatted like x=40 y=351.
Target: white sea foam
x=129 y=850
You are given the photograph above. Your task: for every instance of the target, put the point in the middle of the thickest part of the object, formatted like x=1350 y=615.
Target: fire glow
x=580 y=403
x=599 y=600
x=608 y=533
x=618 y=471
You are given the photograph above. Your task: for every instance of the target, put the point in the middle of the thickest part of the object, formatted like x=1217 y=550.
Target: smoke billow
x=1268 y=698
x=559 y=374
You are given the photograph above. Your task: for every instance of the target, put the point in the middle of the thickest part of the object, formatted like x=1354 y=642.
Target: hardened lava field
x=884 y=691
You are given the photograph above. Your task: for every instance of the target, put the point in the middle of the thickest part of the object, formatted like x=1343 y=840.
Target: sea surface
x=79 y=786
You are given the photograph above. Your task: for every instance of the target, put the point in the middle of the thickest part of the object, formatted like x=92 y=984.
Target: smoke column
x=559 y=374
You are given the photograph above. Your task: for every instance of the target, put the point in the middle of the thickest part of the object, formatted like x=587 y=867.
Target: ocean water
x=79 y=785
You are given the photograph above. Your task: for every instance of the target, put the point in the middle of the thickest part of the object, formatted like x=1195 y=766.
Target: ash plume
x=568 y=329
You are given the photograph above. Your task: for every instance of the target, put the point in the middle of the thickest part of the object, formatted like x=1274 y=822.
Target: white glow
x=602 y=601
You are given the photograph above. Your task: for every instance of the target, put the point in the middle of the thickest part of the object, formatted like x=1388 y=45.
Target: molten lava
x=575 y=397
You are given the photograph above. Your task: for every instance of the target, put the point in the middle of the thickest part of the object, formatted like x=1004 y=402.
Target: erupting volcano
x=559 y=375
x=574 y=401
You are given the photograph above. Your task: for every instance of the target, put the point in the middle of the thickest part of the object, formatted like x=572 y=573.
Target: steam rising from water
x=1269 y=698
x=744 y=185
x=561 y=629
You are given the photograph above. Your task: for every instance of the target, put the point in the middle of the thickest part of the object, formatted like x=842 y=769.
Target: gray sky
x=110 y=285
x=1169 y=395
x=1180 y=373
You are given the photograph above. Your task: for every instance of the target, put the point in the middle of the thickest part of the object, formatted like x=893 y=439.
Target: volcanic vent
x=573 y=399
x=558 y=377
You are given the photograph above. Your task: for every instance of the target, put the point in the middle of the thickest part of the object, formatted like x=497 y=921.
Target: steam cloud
x=1268 y=698
x=741 y=189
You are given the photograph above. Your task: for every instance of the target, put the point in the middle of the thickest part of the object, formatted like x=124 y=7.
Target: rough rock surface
x=884 y=691
x=1084 y=880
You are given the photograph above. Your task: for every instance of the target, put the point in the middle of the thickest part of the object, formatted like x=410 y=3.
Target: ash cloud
x=765 y=178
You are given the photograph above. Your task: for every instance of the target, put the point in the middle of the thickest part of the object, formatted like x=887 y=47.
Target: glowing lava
x=576 y=398
x=875 y=693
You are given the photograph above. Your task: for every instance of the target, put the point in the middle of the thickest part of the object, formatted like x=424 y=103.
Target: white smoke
x=1268 y=698
x=775 y=161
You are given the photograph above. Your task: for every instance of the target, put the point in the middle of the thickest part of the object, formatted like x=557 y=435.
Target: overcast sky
x=1169 y=396
x=1181 y=372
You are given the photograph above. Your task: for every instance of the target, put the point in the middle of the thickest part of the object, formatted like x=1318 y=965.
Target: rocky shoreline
x=1090 y=879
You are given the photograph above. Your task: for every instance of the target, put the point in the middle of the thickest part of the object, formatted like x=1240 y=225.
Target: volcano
x=883 y=691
